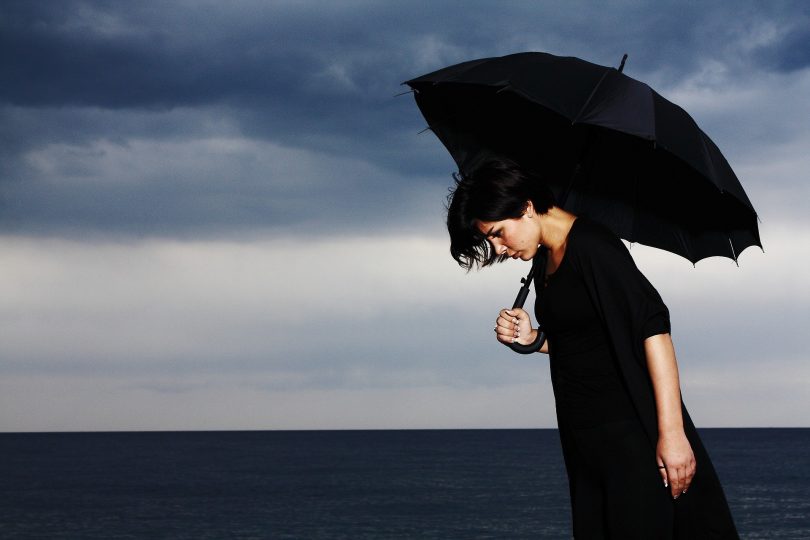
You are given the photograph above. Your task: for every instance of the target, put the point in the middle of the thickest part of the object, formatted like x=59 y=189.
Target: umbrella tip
x=621 y=65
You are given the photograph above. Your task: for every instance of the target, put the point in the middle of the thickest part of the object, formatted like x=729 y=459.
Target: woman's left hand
x=674 y=453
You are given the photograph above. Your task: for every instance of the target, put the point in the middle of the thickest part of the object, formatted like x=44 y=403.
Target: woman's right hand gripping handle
x=515 y=326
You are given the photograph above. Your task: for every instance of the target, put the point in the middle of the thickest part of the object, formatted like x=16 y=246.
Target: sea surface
x=432 y=484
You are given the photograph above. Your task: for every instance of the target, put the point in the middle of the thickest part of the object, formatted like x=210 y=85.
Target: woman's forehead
x=485 y=227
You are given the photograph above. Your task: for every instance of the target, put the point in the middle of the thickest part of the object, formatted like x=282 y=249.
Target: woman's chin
x=526 y=256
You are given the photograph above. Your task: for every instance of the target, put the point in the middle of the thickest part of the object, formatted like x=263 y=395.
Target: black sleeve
x=619 y=289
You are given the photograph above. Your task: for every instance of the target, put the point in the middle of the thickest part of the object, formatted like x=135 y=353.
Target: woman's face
x=517 y=237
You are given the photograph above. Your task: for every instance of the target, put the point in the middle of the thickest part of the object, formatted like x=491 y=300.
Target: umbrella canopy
x=607 y=145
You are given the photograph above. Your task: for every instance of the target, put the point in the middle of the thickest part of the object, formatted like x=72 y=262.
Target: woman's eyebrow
x=489 y=232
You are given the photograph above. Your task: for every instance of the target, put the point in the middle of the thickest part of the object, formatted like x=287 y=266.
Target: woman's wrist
x=670 y=420
x=670 y=430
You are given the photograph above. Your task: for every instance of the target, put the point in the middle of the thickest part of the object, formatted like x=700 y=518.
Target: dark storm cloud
x=128 y=55
x=150 y=54
x=792 y=51
x=317 y=76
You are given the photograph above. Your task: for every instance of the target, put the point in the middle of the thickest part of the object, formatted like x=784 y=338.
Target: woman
x=635 y=464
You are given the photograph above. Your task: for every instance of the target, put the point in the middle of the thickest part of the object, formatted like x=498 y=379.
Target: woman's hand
x=674 y=453
x=514 y=326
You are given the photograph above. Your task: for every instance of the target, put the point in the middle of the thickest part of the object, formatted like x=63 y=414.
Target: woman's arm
x=673 y=450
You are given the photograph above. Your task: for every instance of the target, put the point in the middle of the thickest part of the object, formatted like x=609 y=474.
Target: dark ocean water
x=445 y=484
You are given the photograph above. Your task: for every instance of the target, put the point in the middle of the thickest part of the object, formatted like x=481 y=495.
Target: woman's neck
x=554 y=227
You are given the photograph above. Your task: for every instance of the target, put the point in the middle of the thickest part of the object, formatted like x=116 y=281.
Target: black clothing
x=616 y=490
x=588 y=390
x=597 y=310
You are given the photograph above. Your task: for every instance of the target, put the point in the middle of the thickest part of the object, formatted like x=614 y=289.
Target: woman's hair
x=496 y=190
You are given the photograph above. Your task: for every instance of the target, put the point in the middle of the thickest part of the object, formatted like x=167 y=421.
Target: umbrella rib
x=733 y=251
x=707 y=159
x=590 y=97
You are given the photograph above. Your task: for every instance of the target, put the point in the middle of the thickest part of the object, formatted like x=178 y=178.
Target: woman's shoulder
x=588 y=235
x=598 y=251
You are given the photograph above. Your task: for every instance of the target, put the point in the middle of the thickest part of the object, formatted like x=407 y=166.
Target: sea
x=398 y=484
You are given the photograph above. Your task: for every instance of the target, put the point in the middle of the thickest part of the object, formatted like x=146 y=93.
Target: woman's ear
x=529 y=211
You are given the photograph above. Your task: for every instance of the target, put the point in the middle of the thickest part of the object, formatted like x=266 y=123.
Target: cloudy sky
x=219 y=215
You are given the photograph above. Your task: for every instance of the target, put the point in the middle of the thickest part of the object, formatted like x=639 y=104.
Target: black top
x=588 y=389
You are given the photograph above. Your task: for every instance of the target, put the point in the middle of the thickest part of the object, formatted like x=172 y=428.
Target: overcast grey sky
x=217 y=215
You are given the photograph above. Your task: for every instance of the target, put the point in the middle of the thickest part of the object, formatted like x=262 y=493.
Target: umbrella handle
x=520 y=299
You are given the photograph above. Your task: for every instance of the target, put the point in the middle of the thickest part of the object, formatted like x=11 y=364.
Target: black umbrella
x=607 y=145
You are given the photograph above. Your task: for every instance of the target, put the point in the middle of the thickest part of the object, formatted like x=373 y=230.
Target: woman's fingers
x=676 y=478
x=680 y=478
x=690 y=475
x=507 y=335
x=511 y=316
x=503 y=334
x=508 y=320
x=506 y=339
x=511 y=324
x=507 y=323
x=662 y=469
x=675 y=481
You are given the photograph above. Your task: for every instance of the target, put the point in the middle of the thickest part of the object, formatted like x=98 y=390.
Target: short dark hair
x=495 y=190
